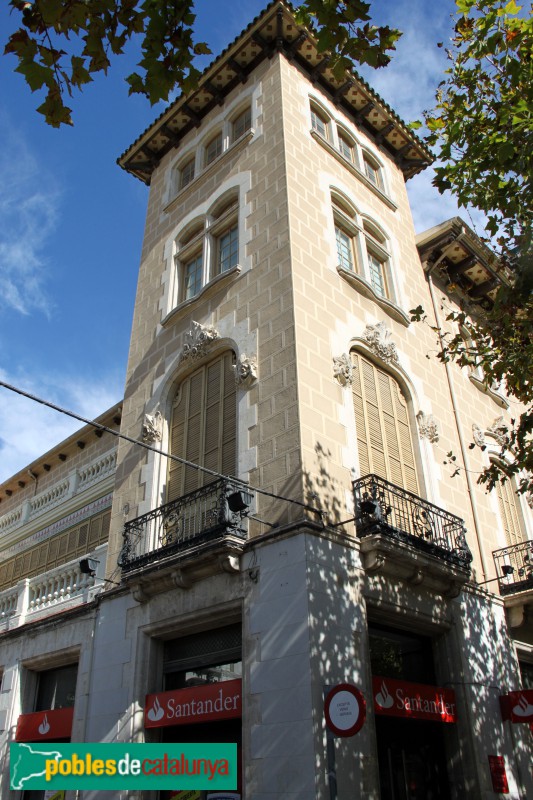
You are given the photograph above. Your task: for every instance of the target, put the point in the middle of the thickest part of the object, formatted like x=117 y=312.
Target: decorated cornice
x=379 y=340
x=198 y=341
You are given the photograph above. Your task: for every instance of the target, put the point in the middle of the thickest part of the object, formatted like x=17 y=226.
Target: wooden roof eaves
x=289 y=48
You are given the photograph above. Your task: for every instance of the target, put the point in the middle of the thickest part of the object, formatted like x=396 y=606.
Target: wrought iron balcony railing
x=194 y=520
x=514 y=567
x=382 y=507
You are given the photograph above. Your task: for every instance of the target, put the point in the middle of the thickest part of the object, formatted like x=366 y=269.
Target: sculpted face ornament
x=245 y=371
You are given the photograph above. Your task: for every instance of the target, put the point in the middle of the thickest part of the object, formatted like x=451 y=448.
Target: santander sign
x=395 y=698
x=206 y=703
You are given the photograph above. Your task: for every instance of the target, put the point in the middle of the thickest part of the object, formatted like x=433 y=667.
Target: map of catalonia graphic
x=30 y=759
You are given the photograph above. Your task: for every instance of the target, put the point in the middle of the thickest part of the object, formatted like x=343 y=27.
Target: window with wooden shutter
x=203 y=426
x=509 y=512
x=384 y=437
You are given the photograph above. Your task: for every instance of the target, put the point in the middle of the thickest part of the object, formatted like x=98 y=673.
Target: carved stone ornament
x=379 y=339
x=478 y=435
x=152 y=428
x=342 y=369
x=498 y=430
x=245 y=371
x=197 y=341
x=427 y=427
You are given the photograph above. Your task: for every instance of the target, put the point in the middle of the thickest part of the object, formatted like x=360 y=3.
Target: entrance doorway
x=411 y=751
x=411 y=759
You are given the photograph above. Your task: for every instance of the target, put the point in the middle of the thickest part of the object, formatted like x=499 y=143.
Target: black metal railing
x=514 y=567
x=382 y=507
x=193 y=520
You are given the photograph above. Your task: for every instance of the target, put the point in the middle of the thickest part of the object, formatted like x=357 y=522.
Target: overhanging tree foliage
x=61 y=44
x=482 y=129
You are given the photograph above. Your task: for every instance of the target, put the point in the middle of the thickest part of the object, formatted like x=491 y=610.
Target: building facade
x=290 y=526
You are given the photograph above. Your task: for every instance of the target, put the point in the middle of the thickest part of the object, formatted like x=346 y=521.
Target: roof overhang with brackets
x=462 y=261
x=276 y=30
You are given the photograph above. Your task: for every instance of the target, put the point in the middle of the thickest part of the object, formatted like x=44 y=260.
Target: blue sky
x=71 y=221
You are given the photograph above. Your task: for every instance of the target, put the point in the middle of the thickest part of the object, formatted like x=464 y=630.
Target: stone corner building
x=305 y=532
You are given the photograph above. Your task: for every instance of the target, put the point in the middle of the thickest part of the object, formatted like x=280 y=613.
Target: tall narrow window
x=192 y=276
x=384 y=437
x=344 y=248
x=203 y=426
x=242 y=123
x=372 y=170
x=376 y=268
x=319 y=122
x=346 y=147
x=377 y=258
x=228 y=249
x=186 y=173
x=213 y=148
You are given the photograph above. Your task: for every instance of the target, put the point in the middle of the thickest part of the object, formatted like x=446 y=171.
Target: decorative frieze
x=342 y=369
x=427 y=427
x=245 y=371
x=198 y=341
x=152 y=428
x=379 y=339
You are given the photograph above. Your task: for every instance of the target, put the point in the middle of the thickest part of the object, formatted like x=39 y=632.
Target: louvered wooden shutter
x=382 y=422
x=203 y=426
x=509 y=512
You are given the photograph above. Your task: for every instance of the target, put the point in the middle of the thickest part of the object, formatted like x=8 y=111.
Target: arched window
x=384 y=438
x=373 y=170
x=203 y=426
x=208 y=247
x=320 y=122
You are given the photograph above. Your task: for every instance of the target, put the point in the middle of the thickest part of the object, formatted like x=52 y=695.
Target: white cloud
x=29 y=429
x=29 y=204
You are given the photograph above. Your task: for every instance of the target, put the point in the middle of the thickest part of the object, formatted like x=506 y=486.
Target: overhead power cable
x=178 y=459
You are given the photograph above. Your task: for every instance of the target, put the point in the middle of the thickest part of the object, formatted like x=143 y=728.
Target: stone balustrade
x=51 y=592
x=76 y=483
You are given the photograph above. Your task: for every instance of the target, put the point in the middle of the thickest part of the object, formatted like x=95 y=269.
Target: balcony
x=408 y=538
x=200 y=531
x=51 y=592
x=514 y=567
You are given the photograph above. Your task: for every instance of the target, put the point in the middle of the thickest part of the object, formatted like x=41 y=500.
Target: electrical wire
x=178 y=459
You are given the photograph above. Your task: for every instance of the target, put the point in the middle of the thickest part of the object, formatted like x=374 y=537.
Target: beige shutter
x=384 y=437
x=509 y=512
x=203 y=426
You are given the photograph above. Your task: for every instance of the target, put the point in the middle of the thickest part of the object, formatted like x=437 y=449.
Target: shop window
x=384 y=436
x=196 y=661
x=203 y=426
x=56 y=688
x=203 y=658
x=242 y=124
